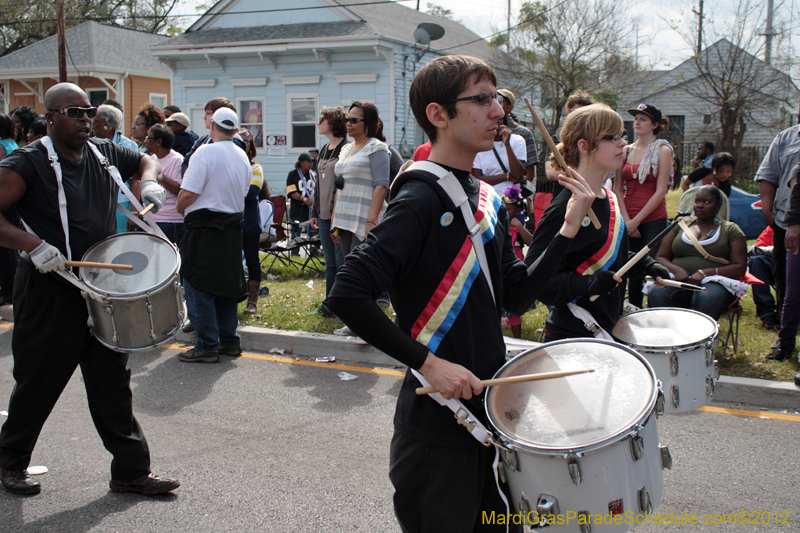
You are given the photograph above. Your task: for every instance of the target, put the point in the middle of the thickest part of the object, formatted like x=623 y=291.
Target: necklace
x=353 y=151
x=324 y=160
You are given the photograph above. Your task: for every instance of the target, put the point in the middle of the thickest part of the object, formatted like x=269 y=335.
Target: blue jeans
x=761 y=267
x=713 y=302
x=213 y=317
x=648 y=230
x=333 y=255
x=173 y=230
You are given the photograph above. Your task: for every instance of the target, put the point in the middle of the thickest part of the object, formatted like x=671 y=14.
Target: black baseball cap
x=646 y=109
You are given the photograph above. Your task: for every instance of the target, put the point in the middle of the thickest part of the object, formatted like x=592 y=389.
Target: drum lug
x=574 y=466
x=710 y=386
x=114 y=335
x=585 y=522
x=644 y=501
x=524 y=505
x=716 y=369
x=666 y=457
x=673 y=364
x=674 y=396
x=546 y=507
x=510 y=459
x=149 y=305
x=710 y=353
x=659 y=400
x=637 y=447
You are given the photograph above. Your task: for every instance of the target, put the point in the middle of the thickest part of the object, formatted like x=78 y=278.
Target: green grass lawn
x=295 y=296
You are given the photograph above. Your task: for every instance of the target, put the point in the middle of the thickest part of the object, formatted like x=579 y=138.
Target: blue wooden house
x=281 y=63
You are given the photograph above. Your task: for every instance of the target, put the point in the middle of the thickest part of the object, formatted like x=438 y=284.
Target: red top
x=423 y=152
x=766 y=237
x=517 y=242
x=637 y=194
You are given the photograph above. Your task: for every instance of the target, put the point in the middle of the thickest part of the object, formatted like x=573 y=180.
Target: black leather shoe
x=19 y=482
x=149 y=484
x=780 y=353
x=234 y=351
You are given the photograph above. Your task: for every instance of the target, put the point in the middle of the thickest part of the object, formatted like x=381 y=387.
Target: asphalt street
x=270 y=445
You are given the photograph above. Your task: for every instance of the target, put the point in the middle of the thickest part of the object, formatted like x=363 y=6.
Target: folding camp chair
x=282 y=248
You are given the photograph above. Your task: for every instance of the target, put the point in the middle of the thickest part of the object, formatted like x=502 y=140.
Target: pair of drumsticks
x=112 y=266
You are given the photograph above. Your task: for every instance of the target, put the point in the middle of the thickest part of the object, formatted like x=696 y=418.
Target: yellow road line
x=7 y=326
x=291 y=360
x=757 y=414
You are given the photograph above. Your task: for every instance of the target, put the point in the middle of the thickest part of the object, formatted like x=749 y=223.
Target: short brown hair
x=219 y=102
x=335 y=117
x=579 y=98
x=590 y=123
x=663 y=125
x=152 y=115
x=440 y=82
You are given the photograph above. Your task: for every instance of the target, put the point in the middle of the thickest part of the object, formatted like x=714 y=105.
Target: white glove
x=152 y=193
x=47 y=258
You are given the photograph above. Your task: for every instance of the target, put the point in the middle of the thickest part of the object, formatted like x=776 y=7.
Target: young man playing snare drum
x=448 y=314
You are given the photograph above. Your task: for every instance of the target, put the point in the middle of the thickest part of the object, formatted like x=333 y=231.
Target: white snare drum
x=582 y=445
x=141 y=308
x=679 y=344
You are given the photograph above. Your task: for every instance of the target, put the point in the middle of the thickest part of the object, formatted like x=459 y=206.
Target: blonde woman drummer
x=591 y=144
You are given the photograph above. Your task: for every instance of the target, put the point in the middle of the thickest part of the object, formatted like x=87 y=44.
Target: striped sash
x=603 y=258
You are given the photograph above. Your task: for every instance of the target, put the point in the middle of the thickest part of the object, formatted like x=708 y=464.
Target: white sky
x=665 y=49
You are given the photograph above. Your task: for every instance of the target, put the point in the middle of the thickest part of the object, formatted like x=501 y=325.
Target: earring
x=105 y=128
x=51 y=122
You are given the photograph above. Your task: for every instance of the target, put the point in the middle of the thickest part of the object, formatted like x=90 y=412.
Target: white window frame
x=97 y=90
x=263 y=100
x=289 y=123
x=159 y=95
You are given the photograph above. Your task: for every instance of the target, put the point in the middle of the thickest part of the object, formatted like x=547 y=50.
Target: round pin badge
x=446 y=219
x=586 y=222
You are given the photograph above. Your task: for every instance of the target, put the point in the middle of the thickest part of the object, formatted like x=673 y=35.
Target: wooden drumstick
x=644 y=251
x=146 y=210
x=557 y=154
x=515 y=379
x=89 y=264
x=678 y=284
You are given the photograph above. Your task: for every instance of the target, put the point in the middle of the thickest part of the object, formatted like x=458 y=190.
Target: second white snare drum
x=141 y=308
x=679 y=344
x=581 y=447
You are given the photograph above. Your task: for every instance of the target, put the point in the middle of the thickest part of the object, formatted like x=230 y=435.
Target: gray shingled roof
x=93 y=46
x=390 y=20
x=217 y=36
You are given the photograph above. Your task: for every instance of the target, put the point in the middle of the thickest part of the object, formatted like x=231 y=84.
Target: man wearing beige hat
x=184 y=138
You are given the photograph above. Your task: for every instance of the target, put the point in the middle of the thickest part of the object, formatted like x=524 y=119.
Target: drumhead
x=154 y=261
x=664 y=328
x=579 y=412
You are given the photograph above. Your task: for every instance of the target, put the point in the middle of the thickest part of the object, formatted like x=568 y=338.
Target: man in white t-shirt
x=505 y=163
x=159 y=142
x=212 y=200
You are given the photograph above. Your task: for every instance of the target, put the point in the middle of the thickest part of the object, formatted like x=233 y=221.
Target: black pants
x=50 y=339
x=779 y=263
x=9 y=259
x=442 y=490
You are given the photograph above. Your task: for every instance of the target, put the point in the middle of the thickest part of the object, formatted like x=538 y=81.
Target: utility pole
x=768 y=35
x=699 y=28
x=62 y=43
x=508 y=30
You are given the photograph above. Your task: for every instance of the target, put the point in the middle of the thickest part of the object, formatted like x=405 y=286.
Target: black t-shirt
x=411 y=252
x=703 y=172
x=90 y=191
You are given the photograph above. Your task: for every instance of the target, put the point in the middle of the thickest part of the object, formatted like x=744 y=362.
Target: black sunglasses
x=483 y=99
x=353 y=120
x=615 y=138
x=76 y=112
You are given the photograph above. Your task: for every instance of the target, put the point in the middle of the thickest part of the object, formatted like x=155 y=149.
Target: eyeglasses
x=320 y=120
x=353 y=120
x=137 y=124
x=76 y=112
x=614 y=138
x=483 y=98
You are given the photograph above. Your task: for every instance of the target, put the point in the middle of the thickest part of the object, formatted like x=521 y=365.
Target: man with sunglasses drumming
x=51 y=337
x=448 y=306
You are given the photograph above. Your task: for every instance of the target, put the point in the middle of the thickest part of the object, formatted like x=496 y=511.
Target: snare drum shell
x=692 y=386
x=610 y=479
x=136 y=314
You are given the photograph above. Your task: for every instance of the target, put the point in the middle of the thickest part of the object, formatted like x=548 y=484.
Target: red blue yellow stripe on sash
x=607 y=254
x=450 y=296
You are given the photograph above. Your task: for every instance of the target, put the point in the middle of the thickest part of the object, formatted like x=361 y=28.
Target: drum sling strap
x=699 y=247
x=450 y=184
